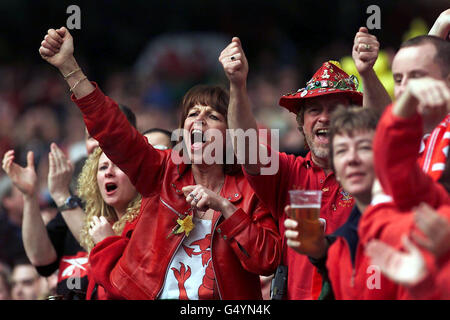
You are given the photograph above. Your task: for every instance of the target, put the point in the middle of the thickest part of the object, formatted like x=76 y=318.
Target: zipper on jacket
x=181 y=216
x=212 y=261
x=352 y=278
x=173 y=255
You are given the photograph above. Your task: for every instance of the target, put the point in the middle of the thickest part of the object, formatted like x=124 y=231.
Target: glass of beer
x=305 y=209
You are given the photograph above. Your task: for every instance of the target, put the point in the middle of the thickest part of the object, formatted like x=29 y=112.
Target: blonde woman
x=111 y=201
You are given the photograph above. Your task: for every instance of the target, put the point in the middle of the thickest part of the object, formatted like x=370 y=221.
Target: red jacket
x=99 y=287
x=395 y=145
x=436 y=284
x=363 y=280
x=386 y=223
x=360 y=281
x=396 y=150
x=244 y=246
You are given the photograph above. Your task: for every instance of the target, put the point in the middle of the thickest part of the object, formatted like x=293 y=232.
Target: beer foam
x=304 y=206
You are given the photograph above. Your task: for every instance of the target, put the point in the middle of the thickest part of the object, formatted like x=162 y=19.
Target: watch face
x=73 y=202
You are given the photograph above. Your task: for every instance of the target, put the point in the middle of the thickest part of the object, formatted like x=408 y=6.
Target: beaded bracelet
x=84 y=78
x=71 y=73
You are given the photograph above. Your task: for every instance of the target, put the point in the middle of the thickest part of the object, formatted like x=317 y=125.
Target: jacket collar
x=230 y=189
x=309 y=163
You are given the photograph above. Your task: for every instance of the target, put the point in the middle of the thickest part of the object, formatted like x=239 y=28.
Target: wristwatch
x=71 y=203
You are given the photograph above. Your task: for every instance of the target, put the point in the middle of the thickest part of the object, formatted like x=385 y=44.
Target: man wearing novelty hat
x=329 y=87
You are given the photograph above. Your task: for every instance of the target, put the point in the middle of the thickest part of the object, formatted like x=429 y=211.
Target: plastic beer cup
x=305 y=209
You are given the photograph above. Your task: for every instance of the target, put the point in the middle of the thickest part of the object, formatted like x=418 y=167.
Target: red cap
x=329 y=79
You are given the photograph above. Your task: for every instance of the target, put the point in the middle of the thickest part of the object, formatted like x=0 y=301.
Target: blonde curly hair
x=89 y=192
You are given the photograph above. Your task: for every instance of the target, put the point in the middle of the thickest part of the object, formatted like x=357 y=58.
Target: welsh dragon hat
x=330 y=79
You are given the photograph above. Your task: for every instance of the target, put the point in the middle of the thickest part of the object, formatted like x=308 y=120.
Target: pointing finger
x=30 y=159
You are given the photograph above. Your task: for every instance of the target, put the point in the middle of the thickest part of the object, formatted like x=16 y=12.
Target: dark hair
x=217 y=97
x=348 y=121
x=442 y=56
x=6 y=280
x=21 y=260
x=163 y=131
x=129 y=114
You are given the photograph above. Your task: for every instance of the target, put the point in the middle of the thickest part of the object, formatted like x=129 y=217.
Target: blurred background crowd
x=146 y=55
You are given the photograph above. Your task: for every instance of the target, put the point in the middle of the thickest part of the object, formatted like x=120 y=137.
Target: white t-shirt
x=186 y=274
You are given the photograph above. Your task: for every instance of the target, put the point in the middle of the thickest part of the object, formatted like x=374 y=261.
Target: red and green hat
x=329 y=79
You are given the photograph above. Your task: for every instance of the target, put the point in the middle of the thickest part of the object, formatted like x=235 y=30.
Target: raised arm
x=365 y=54
x=120 y=141
x=57 y=49
x=240 y=114
x=397 y=142
x=37 y=244
x=441 y=27
x=59 y=177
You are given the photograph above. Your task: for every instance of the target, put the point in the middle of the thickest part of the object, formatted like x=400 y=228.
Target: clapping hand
x=24 y=178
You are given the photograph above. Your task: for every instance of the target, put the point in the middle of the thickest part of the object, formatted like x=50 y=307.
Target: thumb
x=409 y=245
x=323 y=223
x=237 y=40
x=188 y=189
x=363 y=29
x=62 y=31
x=30 y=160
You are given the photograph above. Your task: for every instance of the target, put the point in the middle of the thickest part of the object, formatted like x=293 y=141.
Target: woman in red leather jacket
x=201 y=233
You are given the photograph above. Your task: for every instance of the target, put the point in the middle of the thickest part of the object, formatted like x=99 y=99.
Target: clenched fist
x=365 y=50
x=234 y=62
x=57 y=47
